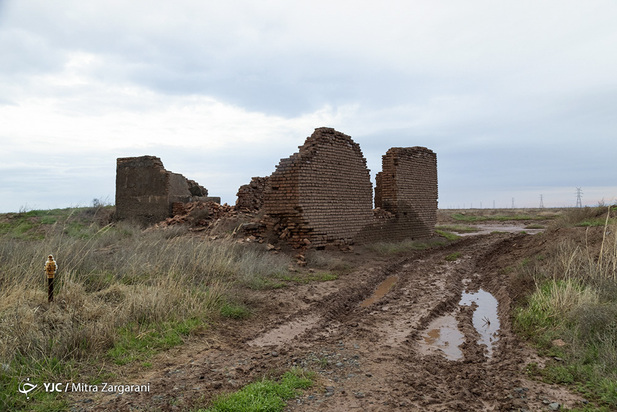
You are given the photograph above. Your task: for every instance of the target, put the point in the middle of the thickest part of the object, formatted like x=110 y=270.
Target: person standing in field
x=50 y=268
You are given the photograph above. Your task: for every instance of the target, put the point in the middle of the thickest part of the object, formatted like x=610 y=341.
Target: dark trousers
x=50 y=294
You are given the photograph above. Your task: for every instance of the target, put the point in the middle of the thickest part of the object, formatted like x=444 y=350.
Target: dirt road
x=419 y=332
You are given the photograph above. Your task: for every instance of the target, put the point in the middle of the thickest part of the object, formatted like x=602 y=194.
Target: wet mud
x=380 y=292
x=407 y=333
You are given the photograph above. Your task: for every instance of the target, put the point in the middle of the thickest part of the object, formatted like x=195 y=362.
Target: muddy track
x=370 y=352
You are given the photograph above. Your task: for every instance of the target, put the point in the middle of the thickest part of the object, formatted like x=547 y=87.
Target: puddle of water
x=443 y=336
x=285 y=332
x=485 y=318
x=483 y=229
x=380 y=292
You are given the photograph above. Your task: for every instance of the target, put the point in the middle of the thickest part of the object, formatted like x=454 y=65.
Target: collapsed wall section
x=145 y=191
x=322 y=193
x=251 y=196
x=407 y=188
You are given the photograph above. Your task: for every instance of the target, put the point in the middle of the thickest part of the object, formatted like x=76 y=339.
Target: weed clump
x=575 y=301
x=392 y=248
x=264 y=395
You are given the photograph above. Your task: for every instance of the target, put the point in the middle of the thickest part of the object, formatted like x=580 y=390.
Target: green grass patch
x=37 y=371
x=574 y=312
x=234 y=310
x=535 y=226
x=140 y=342
x=588 y=216
x=320 y=277
x=265 y=395
x=595 y=222
x=34 y=224
x=458 y=228
x=304 y=278
x=448 y=235
x=262 y=283
x=392 y=248
x=453 y=256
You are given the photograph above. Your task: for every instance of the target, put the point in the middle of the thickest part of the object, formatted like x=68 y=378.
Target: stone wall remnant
x=145 y=191
x=322 y=194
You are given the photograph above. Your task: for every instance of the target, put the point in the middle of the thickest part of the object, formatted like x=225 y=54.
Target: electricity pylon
x=579 y=197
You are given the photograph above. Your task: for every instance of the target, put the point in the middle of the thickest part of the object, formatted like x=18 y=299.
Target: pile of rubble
x=198 y=214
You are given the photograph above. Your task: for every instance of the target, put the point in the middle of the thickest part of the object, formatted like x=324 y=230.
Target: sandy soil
x=389 y=352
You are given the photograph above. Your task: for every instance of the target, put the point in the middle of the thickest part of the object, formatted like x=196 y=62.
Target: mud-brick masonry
x=145 y=191
x=323 y=193
x=407 y=188
x=251 y=196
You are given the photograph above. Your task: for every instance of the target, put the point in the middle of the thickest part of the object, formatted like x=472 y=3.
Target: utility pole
x=579 y=197
x=541 y=202
x=493 y=204
x=512 y=203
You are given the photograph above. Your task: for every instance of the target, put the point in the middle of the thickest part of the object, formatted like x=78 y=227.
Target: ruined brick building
x=407 y=188
x=320 y=195
x=323 y=193
x=146 y=192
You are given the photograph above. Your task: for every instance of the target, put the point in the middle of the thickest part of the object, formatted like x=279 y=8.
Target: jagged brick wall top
x=251 y=196
x=407 y=187
x=322 y=193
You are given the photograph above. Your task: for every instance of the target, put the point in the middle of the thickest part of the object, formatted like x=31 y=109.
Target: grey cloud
x=498 y=110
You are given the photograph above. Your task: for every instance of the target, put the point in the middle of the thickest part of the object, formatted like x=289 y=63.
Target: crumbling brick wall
x=323 y=193
x=378 y=184
x=251 y=196
x=145 y=191
x=407 y=188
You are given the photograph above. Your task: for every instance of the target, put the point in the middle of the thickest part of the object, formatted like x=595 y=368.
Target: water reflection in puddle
x=485 y=318
x=443 y=336
x=380 y=292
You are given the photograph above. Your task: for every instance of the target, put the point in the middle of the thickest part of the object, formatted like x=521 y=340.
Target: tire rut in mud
x=368 y=356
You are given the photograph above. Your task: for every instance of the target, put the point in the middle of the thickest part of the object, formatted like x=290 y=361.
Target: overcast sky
x=517 y=98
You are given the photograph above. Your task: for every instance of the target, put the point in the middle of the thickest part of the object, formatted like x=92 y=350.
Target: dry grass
x=587 y=216
x=576 y=300
x=117 y=276
x=109 y=278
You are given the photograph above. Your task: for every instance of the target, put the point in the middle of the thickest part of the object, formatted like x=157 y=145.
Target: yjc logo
x=26 y=387
x=53 y=387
